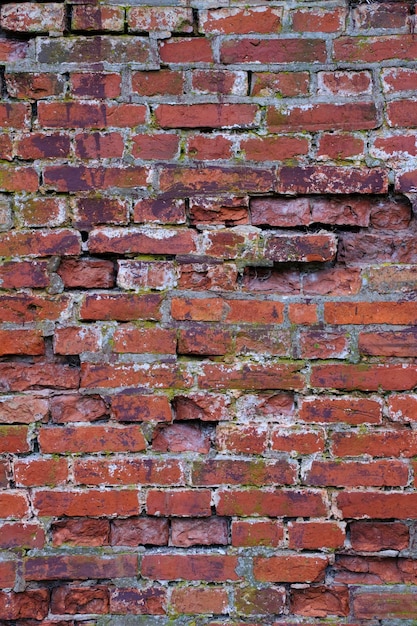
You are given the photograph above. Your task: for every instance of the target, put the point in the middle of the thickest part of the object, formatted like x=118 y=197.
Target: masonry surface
x=208 y=313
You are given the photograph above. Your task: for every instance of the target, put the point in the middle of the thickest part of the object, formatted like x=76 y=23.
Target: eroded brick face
x=208 y=318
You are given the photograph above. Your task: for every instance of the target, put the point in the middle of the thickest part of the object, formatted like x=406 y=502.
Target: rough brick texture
x=208 y=318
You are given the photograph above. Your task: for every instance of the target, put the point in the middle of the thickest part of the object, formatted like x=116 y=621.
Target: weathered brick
x=240 y=21
x=33 y=18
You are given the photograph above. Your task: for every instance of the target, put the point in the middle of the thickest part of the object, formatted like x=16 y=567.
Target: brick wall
x=208 y=313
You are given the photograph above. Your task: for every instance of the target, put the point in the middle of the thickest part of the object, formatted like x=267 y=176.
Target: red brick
x=177 y=181
x=374 y=570
x=28 y=243
x=13 y=50
x=14 y=439
x=404 y=183
x=13 y=504
x=39 y=211
x=396 y=79
x=381 y=443
x=286 y=84
x=251 y=533
x=16 y=376
x=81 y=178
x=243 y=438
x=155 y=147
x=6 y=148
x=199 y=600
x=316 y=20
x=33 y=85
x=358 y=504
x=80 y=566
x=92 y=438
x=391 y=146
x=248 y=376
x=43 y=146
x=206 y=567
x=332 y=180
x=347 y=410
x=77 y=408
x=298 y=442
x=392 y=278
x=240 y=21
x=137 y=531
x=229 y=311
x=90 y=212
x=283 y=50
x=203 y=340
x=22 y=409
x=160 y=211
x=121 y=307
x=135 y=340
x=81 y=532
x=201 y=148
x=97 y=49
x=199 y=531
x=279 y=148
x=370 y=313
x=365 y=377
x=77 y=339
x=89 y=115
x=139 y=408
x=290 y=568
x=265 y=601
x=33 y=18
x=401 y=343
x=87 y=273
x=300 y=313
x=186 y=503
x=149 y=601
x=375 y=536
x=40 y=472
x=8 y=570
x=72 y=600
x=356 y=474
x=31 y=604
x=319 y=344
x=402 y=113
x=22 y=535
x=99 y=145
x=21 y=342
x=181 y=438
x=142 y=241
x=146 y=274
x=402 y=408
x=158 y=82
x=95 y=84
x=345 y=83
x=374 y=49
x=204 y=276
x=320 y=602
x=97 y=18
x=338 y=147
x=220 y=82
x=169 y=19
x=388 y=605
x=213 y=472
x=205 y=115
x=134 y=375
x=206 y=407
x=368 y=248
x=124 y=471
x=16 y=274
x=186 y=50
x=278 y=503
x=92 y=503
x=315 y=535
x=384 y=15
x=18 y=179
